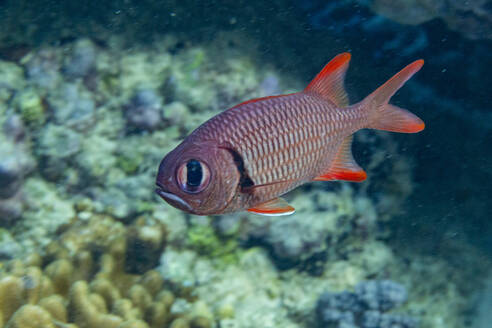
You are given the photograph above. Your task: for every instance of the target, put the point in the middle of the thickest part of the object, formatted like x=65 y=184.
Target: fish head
x=198 y=177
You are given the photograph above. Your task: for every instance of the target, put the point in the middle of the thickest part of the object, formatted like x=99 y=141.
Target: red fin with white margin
x=274 y=207
x=344 y=166
x=329 y=82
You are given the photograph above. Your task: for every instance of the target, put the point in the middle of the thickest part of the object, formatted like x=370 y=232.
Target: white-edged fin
x=274 y=214
x=274 y=207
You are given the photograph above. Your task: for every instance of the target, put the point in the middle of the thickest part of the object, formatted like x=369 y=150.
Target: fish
x=249 y=155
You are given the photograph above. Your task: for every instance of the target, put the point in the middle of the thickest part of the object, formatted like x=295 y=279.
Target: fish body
x=247 y=156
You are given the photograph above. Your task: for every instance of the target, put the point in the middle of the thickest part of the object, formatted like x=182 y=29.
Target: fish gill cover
x=93 y=94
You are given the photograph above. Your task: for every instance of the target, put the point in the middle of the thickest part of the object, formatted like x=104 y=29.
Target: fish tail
x=382 y=115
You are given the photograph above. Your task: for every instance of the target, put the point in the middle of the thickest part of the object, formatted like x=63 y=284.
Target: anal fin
x=344 y=166
x=274 y=207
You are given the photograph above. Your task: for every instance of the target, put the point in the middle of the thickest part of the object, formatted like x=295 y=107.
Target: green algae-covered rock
x=97 y=157
x=203 y=238
x=30 y=106
x=142 y=70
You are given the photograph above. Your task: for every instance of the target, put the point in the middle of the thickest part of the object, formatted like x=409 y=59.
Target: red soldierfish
x=247 y=156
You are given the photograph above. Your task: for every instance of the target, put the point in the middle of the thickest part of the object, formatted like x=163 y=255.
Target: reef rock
x=366 y=307
x=144 y=110
x=15 y=163
x=471 y=18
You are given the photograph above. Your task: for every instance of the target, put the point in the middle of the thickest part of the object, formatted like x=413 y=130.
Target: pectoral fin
x=344 y=166
x=274 y=207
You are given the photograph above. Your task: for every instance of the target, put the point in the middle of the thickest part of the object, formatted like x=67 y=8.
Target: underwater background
x=94 y=93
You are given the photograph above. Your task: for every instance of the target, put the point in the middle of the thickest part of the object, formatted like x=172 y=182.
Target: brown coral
x=82 y=281
x=31 y=316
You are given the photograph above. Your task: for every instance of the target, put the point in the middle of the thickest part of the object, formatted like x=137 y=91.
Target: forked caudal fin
x=389 y=117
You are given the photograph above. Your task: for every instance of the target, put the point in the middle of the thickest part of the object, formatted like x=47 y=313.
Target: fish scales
x=249 y=155
x=254 y=130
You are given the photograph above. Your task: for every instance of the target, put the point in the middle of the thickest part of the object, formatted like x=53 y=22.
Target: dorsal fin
x=259 y=99
x=329 y=82
x=344 y=166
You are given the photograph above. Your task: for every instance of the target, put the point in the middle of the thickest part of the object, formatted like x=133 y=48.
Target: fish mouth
x=169 y=197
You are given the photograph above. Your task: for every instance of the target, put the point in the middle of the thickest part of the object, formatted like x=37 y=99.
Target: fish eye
x=193 y=176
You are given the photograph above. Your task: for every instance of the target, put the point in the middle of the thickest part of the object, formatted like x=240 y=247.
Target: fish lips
x=173 y=199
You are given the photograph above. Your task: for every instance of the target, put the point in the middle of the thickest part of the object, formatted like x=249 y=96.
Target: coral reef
x=100 y=249
x=89 y=280
x=16 y=163
x=365 y=307
x=47 y=209
x=55 y=147
x=93 y=171
x=88 y=110
x=252 y=287
x=72 y=106
x=81 y=60
x=144 y=110
x=329 y=218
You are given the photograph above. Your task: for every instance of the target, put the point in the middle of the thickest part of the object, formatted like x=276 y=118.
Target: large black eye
x=193 y=176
